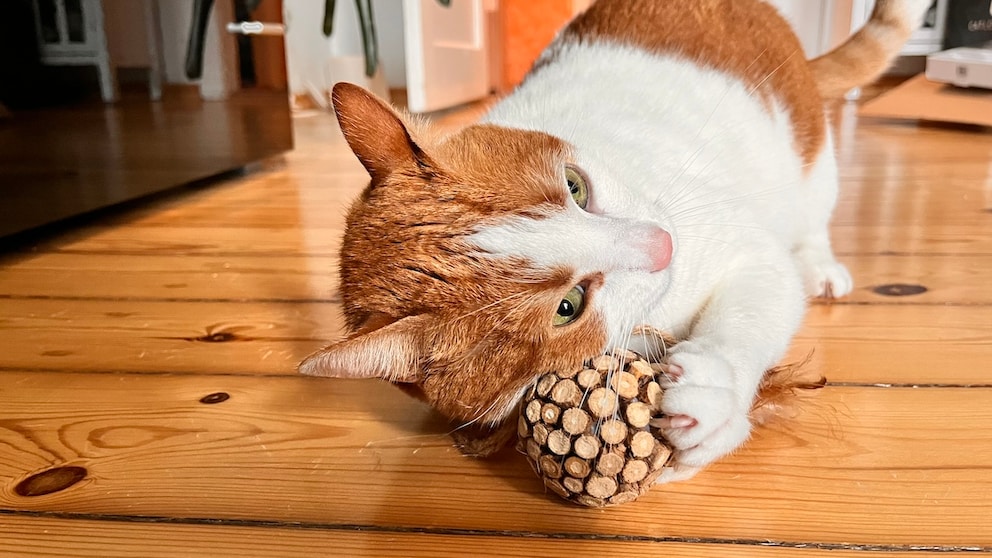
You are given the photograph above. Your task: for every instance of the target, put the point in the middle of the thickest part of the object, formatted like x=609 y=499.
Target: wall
x=806 y=17
x=126 y=40
x=820 y=24
x=389 y=28
x=314 y=63
x=527 y=27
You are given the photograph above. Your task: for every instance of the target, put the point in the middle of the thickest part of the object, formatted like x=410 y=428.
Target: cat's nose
x=658 y=247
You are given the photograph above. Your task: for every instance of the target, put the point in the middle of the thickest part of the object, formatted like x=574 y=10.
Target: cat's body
x=665 y=164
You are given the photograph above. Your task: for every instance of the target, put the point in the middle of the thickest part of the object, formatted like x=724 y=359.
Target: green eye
x=577 y=186
x=570 y=307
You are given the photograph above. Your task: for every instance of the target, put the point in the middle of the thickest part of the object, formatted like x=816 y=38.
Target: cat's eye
x=577 y=186
x=570 y=307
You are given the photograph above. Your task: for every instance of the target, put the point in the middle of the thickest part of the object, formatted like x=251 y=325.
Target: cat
x=664 y=163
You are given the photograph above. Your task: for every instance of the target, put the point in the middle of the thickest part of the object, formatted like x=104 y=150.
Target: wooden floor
x=149 y=404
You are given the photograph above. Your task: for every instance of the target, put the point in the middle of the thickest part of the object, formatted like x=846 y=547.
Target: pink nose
x=659 y=249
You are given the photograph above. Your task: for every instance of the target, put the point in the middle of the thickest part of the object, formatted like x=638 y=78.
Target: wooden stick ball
x=587 y=432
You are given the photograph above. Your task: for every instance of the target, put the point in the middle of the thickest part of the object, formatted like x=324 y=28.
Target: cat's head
x=475 y=261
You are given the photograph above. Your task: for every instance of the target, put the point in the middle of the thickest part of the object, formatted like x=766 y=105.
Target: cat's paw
x=824 y=276
x=829 y=280
x=704 y=418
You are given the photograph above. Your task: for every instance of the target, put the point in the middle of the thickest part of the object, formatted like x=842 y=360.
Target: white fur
x=667 y=143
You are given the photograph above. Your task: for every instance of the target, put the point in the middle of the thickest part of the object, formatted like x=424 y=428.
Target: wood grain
x=947 y=238
x=316 y=239
x=850 y=343
x=914 y=203
x=176 y=336
x=949 y=279
x=897 y=344
x=207 y=278
x=361 y=453
x=87 y=538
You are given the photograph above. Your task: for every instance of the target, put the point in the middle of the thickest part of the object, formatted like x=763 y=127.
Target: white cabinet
x=71 y=33
x=446 y=55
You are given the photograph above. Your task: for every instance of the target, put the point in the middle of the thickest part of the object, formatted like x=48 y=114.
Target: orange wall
x=527 y=26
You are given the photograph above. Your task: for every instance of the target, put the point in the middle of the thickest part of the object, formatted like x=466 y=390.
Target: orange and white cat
x=665 y=163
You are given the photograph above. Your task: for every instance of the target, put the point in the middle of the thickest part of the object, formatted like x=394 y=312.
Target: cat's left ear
x=392 y=352
x=375 y=133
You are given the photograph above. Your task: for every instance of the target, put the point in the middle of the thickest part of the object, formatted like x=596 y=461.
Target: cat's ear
x=375 y=133
x=392 y=352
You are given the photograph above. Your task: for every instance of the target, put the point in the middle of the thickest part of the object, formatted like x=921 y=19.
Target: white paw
x=828 y=280
x=704 y=415
x=824 y=276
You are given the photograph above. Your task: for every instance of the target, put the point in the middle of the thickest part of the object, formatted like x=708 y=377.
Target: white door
x=810 y=20
x=445 y=53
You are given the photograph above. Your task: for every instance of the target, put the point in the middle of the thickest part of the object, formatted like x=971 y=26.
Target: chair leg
x=197 y=38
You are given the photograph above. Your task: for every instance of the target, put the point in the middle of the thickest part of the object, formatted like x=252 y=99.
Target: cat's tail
x=868 y=53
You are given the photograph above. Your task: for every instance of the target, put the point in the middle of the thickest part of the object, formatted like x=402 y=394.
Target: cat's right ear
x=375 y=133
x=392 y=352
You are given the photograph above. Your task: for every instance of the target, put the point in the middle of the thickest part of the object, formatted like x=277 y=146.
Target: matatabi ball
x=587 y=432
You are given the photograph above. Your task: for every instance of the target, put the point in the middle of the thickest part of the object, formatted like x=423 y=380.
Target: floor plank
x=948 y=279
x=243 y=240
x=357 y=453
x=915 y=203
x=168 y=277
x=164 y=336
x=88 y=538
x=946 y=238
x=920 y=344
x=899 y=344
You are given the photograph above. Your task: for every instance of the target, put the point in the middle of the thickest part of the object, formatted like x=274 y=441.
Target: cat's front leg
x=713 y=377
x=705 y=413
